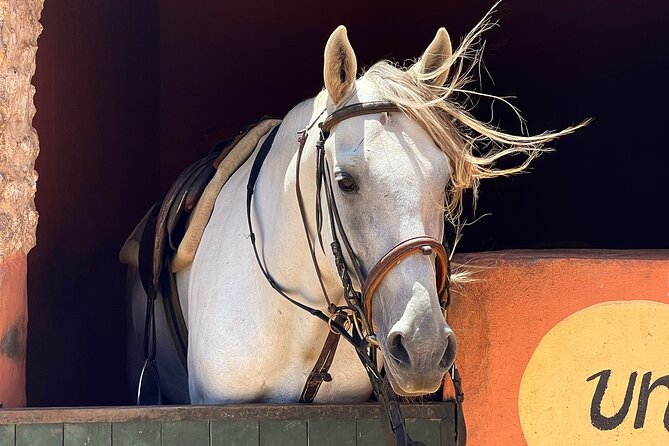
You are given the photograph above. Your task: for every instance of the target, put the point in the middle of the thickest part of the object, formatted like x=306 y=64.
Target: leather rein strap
x=358 y=309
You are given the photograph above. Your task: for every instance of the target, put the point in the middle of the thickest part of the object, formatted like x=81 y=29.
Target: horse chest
x=249 y=345
x=266 y=362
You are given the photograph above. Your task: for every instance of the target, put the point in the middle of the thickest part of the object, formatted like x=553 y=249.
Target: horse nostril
x=449 y=353
x=397 y=350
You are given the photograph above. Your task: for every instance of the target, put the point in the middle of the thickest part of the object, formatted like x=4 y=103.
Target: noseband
x=418 y=245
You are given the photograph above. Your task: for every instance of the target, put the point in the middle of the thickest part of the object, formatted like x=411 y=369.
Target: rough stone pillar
x=19 y=30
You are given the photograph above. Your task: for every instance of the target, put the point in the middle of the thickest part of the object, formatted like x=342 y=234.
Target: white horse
x=394 y=176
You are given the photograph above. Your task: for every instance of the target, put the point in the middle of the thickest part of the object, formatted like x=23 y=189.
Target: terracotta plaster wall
x=97 y=86
x=518 y=296
x=13 y=330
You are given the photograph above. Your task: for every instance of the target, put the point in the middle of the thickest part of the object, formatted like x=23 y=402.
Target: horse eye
x=346 y=183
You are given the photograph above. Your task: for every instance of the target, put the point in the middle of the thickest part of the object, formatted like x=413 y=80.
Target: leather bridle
x=422 y=244
x=357 y=311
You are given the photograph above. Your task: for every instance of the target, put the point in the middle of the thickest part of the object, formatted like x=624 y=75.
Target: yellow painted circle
x=556 y=399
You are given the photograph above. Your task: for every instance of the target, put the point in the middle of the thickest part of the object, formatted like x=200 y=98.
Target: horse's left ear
x=433 y=61
x=340 y=65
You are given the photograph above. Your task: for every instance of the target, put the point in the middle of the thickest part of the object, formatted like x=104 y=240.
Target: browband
x=351 y=111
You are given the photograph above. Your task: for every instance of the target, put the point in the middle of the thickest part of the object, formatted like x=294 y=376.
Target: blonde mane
x=472 y=146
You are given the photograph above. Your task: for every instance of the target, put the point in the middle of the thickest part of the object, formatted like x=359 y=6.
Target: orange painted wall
x=518 y=297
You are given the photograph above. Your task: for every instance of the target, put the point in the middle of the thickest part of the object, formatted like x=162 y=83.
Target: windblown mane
x=472 y=146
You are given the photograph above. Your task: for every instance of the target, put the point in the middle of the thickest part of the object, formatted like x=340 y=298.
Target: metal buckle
x=426 y=250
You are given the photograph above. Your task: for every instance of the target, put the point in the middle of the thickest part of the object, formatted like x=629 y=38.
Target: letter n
x=644 y=394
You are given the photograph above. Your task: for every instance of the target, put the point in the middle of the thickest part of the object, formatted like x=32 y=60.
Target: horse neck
x=284 y=243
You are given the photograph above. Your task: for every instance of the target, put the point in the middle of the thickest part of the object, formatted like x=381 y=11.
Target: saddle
x=166 y=239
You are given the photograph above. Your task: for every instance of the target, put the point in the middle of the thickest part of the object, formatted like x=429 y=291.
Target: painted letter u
x=600 y=421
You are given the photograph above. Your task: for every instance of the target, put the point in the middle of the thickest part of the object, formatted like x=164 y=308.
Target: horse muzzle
x=417 y=363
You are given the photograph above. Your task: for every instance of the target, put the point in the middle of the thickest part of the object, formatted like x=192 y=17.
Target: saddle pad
x=205 y=206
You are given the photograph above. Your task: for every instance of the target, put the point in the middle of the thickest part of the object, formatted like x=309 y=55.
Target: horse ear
x=435 y=57
x=340 y=66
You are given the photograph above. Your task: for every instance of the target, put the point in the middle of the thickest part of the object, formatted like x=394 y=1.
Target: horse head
x=390 y=180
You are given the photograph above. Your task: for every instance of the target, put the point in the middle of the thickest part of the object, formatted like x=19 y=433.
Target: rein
x=356 y=314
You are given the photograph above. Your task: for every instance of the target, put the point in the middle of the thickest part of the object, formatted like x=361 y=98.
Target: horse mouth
x=414 y=386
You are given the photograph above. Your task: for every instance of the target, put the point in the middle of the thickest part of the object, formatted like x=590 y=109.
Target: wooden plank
x=425 y=430
x=39 y=435
x=448 y=423
x=7 y=435
x=87 y=434
x=222 y=412
x=235 y=433
x=332 y=432
x=283 y=433
x=369 y=432
x=136 y=433
x=191 y=433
